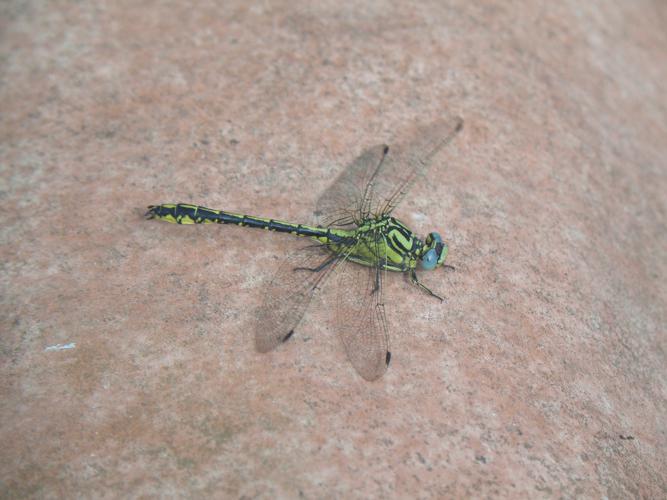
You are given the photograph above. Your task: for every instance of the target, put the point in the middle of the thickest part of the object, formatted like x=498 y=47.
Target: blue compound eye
x=429 y=260
x=431 y=238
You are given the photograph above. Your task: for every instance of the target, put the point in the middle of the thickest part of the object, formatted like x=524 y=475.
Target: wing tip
x=288 y=336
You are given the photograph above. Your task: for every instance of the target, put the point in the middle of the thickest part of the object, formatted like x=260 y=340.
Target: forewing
x=409 y=161
x=287 y=295
x=338 y=204
x=360 y=318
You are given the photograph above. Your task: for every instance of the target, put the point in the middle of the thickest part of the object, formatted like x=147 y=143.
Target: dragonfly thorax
x=388 y=243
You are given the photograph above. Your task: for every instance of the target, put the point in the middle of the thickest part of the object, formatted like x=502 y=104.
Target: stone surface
x=127 y=364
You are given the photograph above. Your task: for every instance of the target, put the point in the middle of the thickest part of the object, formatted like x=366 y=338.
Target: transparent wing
x=400 y=171
x=360 y=318
x=340 y=202
x=376 y=182
x=287 y=295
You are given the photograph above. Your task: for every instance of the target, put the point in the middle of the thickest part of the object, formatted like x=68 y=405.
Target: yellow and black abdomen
x=183 y=213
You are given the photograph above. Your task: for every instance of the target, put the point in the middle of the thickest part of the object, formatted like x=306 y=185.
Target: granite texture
x=127 y=366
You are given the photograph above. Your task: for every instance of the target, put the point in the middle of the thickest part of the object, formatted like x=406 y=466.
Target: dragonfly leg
x=447 y=266
x=376 y=285
x=415 y=281
x=318 y=268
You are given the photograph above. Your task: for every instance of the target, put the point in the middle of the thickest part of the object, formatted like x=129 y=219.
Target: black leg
x=415 y=280
x=318 y=268
x=376 y=285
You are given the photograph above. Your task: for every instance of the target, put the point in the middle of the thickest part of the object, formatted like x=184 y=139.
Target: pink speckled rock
x=127 y=365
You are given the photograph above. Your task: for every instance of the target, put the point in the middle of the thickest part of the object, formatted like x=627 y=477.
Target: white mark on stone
x=60 y=347
x=418 y=216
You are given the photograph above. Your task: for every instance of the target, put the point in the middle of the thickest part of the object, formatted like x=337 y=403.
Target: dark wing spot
x=388 y=359
x=287 y=337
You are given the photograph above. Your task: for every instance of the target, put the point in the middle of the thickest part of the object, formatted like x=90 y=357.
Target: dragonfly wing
x=409 y=161
x=339 y=203
x=360 y=318
x=375 y=184
x=288 y=294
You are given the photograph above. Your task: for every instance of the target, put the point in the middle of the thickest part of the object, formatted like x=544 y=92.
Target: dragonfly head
x=434 y=252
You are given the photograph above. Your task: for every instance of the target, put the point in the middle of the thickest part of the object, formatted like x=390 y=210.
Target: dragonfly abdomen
x=183 y=213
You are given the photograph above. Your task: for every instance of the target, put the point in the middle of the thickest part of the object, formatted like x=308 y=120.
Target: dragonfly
x=356 y=244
